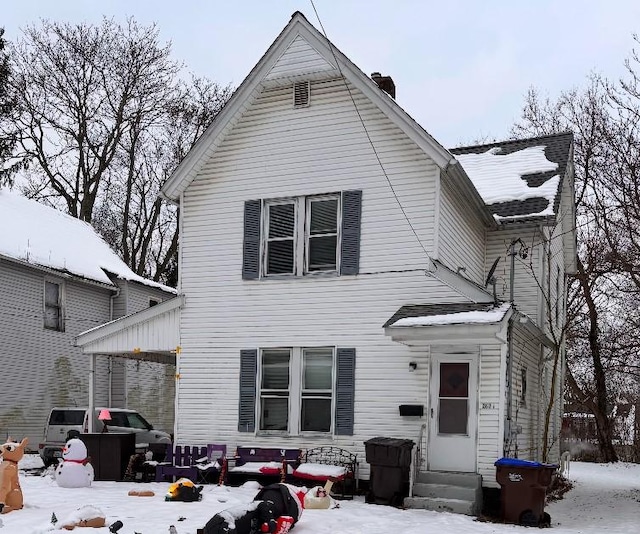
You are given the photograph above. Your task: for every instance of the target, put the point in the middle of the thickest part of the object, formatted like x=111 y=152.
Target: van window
x=66 y=417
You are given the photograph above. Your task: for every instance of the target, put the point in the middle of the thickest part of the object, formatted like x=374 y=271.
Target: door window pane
x=454 y=379
x=453 y=402
x=453 y=416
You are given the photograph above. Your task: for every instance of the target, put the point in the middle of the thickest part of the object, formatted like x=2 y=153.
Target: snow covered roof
x=43 y=236
x=445 y=314
x=519 y=179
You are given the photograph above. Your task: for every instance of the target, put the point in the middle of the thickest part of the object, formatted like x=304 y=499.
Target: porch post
x=92 y=385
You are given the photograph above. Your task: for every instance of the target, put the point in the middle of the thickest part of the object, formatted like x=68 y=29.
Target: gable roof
x=321 y=59
x=41 y=236
x=521 y=178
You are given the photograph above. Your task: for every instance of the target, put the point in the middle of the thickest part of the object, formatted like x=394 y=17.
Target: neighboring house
x=335 y=278
x=579 y=433
x=59 y=278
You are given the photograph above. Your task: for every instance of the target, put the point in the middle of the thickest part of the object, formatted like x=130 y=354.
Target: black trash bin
x=390 y=460
x=523 y=490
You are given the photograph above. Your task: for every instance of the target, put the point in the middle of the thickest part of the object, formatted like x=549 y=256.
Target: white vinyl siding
x=300 y=58
x=528 y=272
x=526 y=355
x=278 y=152
x=490 y=411
x=43 y=368
x=461 y=235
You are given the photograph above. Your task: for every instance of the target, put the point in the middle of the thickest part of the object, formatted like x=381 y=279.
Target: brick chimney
x=385 y=83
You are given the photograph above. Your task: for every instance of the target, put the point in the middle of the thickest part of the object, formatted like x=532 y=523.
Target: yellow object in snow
x=174 y=489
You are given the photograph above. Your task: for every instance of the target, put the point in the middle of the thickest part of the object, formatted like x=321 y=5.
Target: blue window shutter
x=345 y=391
x=248 y=372
x=251 y=245
x=350 y=246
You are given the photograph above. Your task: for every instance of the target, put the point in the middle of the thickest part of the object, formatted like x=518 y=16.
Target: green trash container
x=523 y=490
x=390 y=460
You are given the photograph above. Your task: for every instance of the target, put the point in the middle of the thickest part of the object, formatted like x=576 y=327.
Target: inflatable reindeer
x=10 y=492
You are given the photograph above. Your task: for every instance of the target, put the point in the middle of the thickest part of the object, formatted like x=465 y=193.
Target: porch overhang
x=151 y=335
x=456 y=323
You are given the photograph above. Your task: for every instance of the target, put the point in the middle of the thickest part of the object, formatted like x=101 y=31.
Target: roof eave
x=112 y=327
x=460 y=333
x=58 y=273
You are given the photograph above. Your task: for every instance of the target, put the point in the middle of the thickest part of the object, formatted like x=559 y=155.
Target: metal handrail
x=418 y=457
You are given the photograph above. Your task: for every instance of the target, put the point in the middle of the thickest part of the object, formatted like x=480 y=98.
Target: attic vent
x=301 y=94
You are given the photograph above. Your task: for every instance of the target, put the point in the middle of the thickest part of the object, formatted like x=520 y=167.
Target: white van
x=64 y=420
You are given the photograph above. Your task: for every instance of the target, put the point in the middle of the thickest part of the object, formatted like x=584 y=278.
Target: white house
x=339 y=276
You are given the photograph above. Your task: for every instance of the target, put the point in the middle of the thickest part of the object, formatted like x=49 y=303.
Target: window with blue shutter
x=247 y=403
x=302 y=236
x=292 y=390
x=345 y=391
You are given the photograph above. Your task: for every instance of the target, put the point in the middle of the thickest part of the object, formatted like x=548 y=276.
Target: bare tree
x=106 y=118
x=9 y=165
x=587 y=114
x=148 y=234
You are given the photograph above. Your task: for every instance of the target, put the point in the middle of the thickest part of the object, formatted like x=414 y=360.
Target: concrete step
x=450 y=478
x=454 y=506
x=446 y=491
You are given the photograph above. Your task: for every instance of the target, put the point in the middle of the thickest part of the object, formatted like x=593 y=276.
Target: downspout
x=508 y=427
x=509 y=430
x=110 y=366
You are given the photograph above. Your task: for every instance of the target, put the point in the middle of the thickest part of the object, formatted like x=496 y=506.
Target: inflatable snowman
x=74 y=471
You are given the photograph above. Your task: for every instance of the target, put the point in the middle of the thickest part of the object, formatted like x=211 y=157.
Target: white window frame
x=301 y=235
x=60 y=305
x=296 y=370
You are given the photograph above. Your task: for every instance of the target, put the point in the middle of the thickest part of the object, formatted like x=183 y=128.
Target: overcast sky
x=461 y=67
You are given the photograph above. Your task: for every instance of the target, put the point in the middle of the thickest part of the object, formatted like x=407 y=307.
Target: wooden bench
x=264 y=464
x=321 y=464
x=204 y=463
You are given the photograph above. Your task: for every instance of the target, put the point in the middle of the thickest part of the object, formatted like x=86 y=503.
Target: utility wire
x=415 y=233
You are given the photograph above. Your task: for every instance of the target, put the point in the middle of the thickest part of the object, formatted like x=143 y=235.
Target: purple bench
x=263 y=463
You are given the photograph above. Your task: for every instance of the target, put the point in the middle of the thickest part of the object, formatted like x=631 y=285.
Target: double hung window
x=301 y=235
x=296 y=390
x=53 y=306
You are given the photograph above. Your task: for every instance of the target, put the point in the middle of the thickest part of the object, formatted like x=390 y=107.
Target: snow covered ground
x=605 y=499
